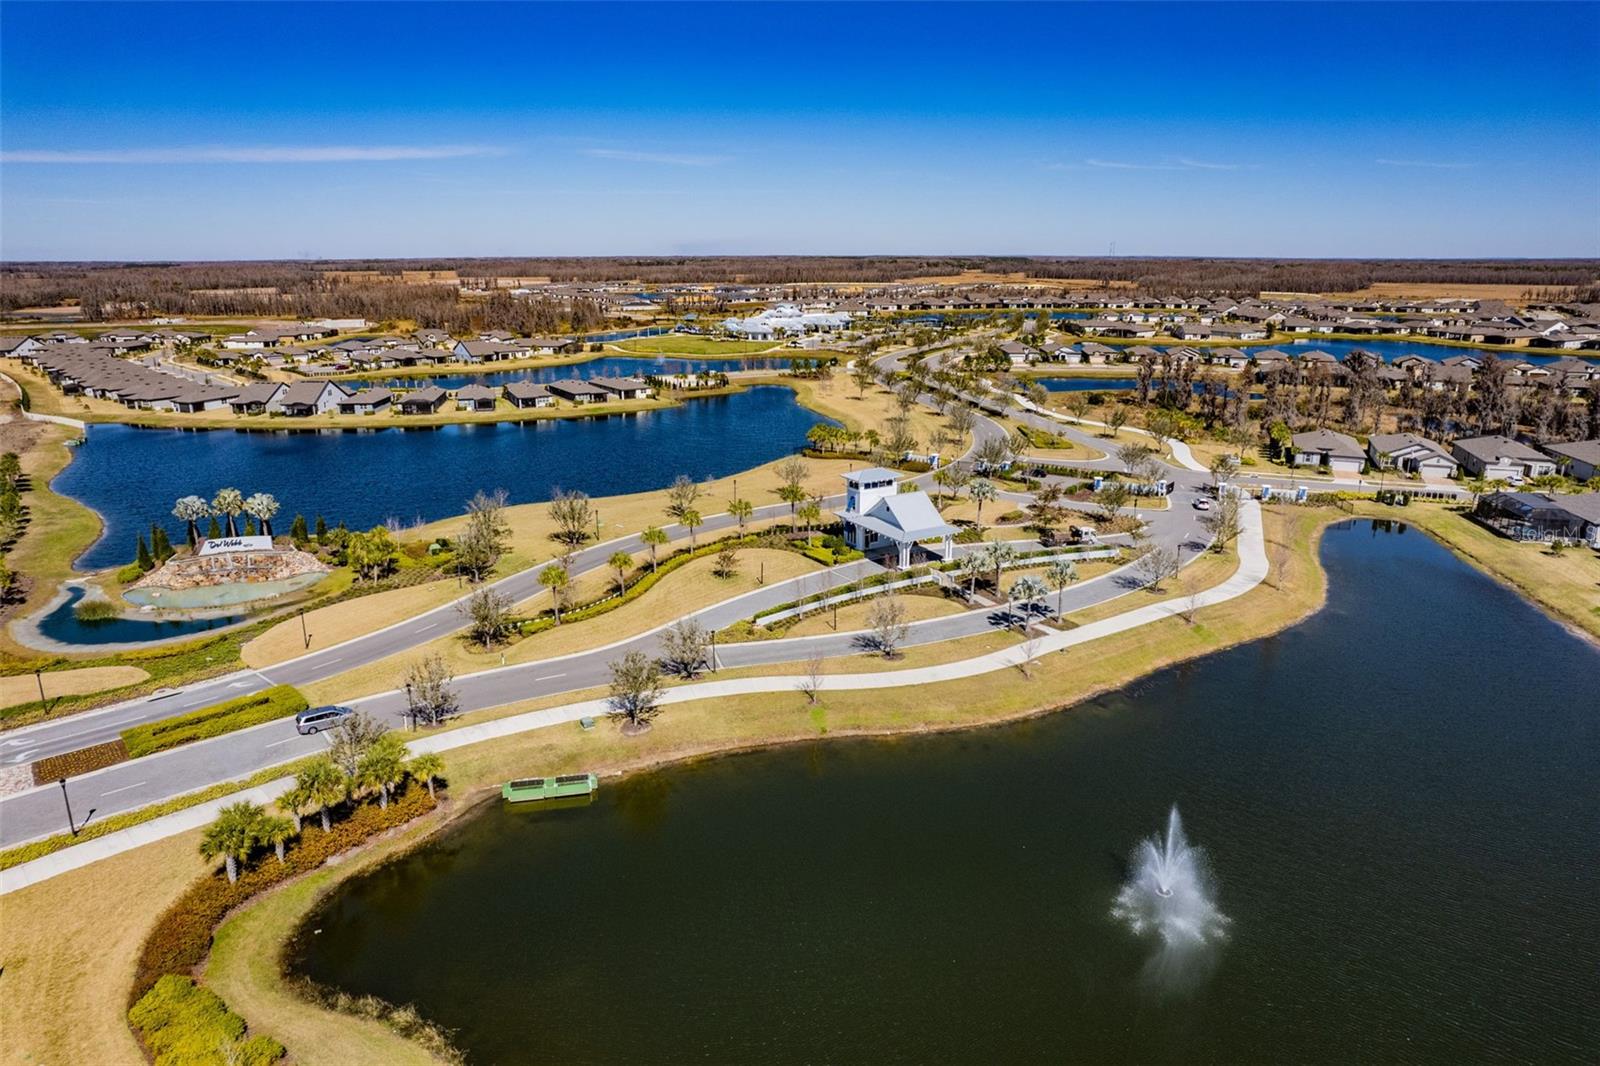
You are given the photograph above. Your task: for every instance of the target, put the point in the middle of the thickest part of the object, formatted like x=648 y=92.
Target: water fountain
x=1169 y=893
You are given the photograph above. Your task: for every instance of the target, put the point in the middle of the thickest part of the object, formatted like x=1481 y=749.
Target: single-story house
x=476 y=398
x=306 y=398
x=1542 y=516
x=1580 y=457
x=423 y=401
x=366 y=402
x=527 y=394
x=1501 y=458
x=578 y=391
x=1018 y=353
x=1410 y=453
x=199 y=397
x=489 y=351
x=258 y=398
x=1338 y=452
x=625 y=388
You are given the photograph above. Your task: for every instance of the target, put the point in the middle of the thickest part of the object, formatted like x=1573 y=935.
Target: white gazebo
x=876 y=511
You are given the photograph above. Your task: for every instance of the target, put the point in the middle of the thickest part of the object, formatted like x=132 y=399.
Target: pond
x=131 y=476
x=1390 y=350
x=1399 y=814
x=62 y=624
x=605 y=366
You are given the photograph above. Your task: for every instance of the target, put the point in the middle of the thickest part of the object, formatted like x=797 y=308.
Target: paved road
x=142 y=781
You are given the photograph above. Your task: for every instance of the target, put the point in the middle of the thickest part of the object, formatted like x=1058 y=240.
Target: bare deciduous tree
x=635 y=692
x=887 y=620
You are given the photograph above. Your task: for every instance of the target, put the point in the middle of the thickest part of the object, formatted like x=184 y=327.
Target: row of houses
x=1493 y=457
x=76 y=370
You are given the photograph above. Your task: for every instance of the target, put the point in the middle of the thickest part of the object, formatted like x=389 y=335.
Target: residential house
x=624 y=388
x=1410 y=453
x=1580 y=459
x=578 y=391
x=1500 y=458
x=1542 y=516
x=476 y=398
x=1338 y=452
x=258 y=398
x=423 y=401
x=306 y=398
x=1018 y=353
x=527 y=394
x=366 y=402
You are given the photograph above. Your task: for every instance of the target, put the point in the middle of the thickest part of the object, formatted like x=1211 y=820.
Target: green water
x=1398 y=798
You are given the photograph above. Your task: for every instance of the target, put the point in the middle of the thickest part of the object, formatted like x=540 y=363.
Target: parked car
x=317 y=718
x=1202 y=504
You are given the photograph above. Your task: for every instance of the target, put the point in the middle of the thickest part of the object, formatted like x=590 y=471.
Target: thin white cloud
x=1182 y=163
x=624 y=155
x=251 y=154
x=1429 y=163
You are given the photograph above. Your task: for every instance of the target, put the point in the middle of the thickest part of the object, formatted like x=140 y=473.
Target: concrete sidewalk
x=1253 y=565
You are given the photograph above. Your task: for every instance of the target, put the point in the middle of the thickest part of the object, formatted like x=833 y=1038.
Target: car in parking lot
x=314 y=719
x=1202 y=504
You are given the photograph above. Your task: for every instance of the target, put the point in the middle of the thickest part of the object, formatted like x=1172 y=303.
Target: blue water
x=63 y=625
x=1086 y=384
x=606 y=366
x=364 y=477
x=1391 y=350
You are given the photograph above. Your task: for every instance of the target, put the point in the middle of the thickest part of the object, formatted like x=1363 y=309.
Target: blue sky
x=202 y=131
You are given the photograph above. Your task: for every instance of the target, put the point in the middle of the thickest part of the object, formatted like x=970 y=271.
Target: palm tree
x=689 y=520
x=1061 y=572
x=228 y=502
x=321 y=786
x=982 y=491
x=382 y=767
x=972 y=566
x=654 y=537
x=996 y=556
x=742 y=510
x=277 y=832
x=555 y=578
x=262 y=506
x=810 y=513
x=294 y=803
x=191 y=509
x=426 y=768
x=233 y=836
x=1025 y=590
x=620 y=561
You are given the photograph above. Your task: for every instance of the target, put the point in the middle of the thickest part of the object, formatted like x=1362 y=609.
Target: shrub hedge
x=279 y=701
x=182 y=936
x=183 y=1024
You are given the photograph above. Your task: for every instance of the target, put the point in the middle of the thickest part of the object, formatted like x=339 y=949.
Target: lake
x=364 y=477
x=1398 y=798
x=605 y=366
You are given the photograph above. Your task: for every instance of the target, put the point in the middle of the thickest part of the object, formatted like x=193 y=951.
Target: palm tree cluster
x=228 y=503
x=321 y=787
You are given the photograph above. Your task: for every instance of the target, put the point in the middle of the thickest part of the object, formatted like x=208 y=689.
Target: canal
x=1399 y=812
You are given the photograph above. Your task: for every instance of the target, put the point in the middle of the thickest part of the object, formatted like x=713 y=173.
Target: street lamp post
x=72 y=825
x=38 y=679
x=411 y=707
x=303 y=634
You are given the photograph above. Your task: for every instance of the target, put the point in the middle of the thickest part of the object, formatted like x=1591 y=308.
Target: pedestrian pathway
x=1252 y=570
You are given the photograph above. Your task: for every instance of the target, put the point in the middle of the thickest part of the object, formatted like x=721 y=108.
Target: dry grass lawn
x=68 y=948
x=684 y=591
x=22 y=688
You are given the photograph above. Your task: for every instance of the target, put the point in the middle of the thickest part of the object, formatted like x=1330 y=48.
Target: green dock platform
x=526 y=789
